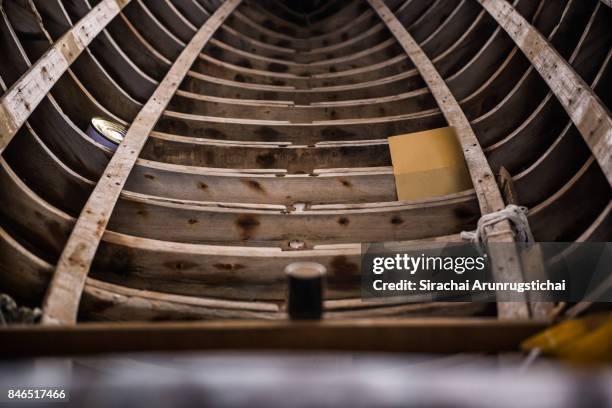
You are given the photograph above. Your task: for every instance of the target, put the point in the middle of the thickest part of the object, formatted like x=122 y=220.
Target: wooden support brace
x=506 y=265
x=63 y=295
x=531 y=256
x=428 y=335
x=24 y=96
x=585 y=109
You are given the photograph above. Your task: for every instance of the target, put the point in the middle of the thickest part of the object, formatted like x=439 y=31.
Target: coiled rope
x=516 y=215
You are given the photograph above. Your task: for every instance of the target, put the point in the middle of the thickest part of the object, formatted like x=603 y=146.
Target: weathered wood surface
x=62 y=299
x=525 y=139
x=22 y=98
x=507 y=103
x=107 y=301
x=506 y=267
x=586 y=110
x=400 y=335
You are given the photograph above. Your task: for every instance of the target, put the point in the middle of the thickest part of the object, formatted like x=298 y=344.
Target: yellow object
x=586 y=340
x=428 y=164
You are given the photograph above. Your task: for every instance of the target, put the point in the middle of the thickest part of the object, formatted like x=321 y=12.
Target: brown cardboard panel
x=428 y=164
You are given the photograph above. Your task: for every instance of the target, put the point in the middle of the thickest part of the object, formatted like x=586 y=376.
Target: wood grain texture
x=425 y=335
x=62 y=299
x=585 y=109
x=22 y=98
x=506 y=267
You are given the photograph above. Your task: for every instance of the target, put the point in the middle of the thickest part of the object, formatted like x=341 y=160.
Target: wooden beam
x=23 y=97
x=423 y=335
x=531 y=257
x=506 y=267
x=63 y=295
x=585 y=109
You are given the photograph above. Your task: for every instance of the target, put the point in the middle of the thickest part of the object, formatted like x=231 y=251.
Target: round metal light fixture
x=105 y=132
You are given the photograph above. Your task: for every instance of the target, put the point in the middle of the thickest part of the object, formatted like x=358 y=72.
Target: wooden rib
x=532 y=141
x=434 y=61
x=549 y=219
x=227 y=66
x=506 y=267
x=305 y=133
x=334 y=186
x=192 y=10
x=518 y=94
x=64 y=292
x=375 y=184
x=510 y=86
x=20 y=100
x=257 y=31
x=485 y=13
x=285 y=13
x=125 y=72
x=153 y=30
x=357 y=221
x=162 y=264
x=34 y=274
x=444 y=59
x=264 y=267
x=171 y=18
x=131 y=41
x=585 y=109
x=315 y=40
x=327 y=20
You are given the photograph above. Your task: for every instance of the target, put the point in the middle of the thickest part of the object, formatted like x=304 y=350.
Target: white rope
x=11 y=313
x=513 y=213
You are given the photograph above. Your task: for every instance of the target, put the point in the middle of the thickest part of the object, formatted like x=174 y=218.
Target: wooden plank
x=62 y=298
x=431 y=335
x=506 y=267
x=586 y=110
x=22 y=98
x=104 y=301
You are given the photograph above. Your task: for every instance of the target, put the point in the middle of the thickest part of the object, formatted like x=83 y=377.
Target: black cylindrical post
x=305 y=290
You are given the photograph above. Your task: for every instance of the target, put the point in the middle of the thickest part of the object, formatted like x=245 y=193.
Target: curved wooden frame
x=122 y=65
x=38 y=81
x=61 y=302
x=592 y=119
x=506 y=268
